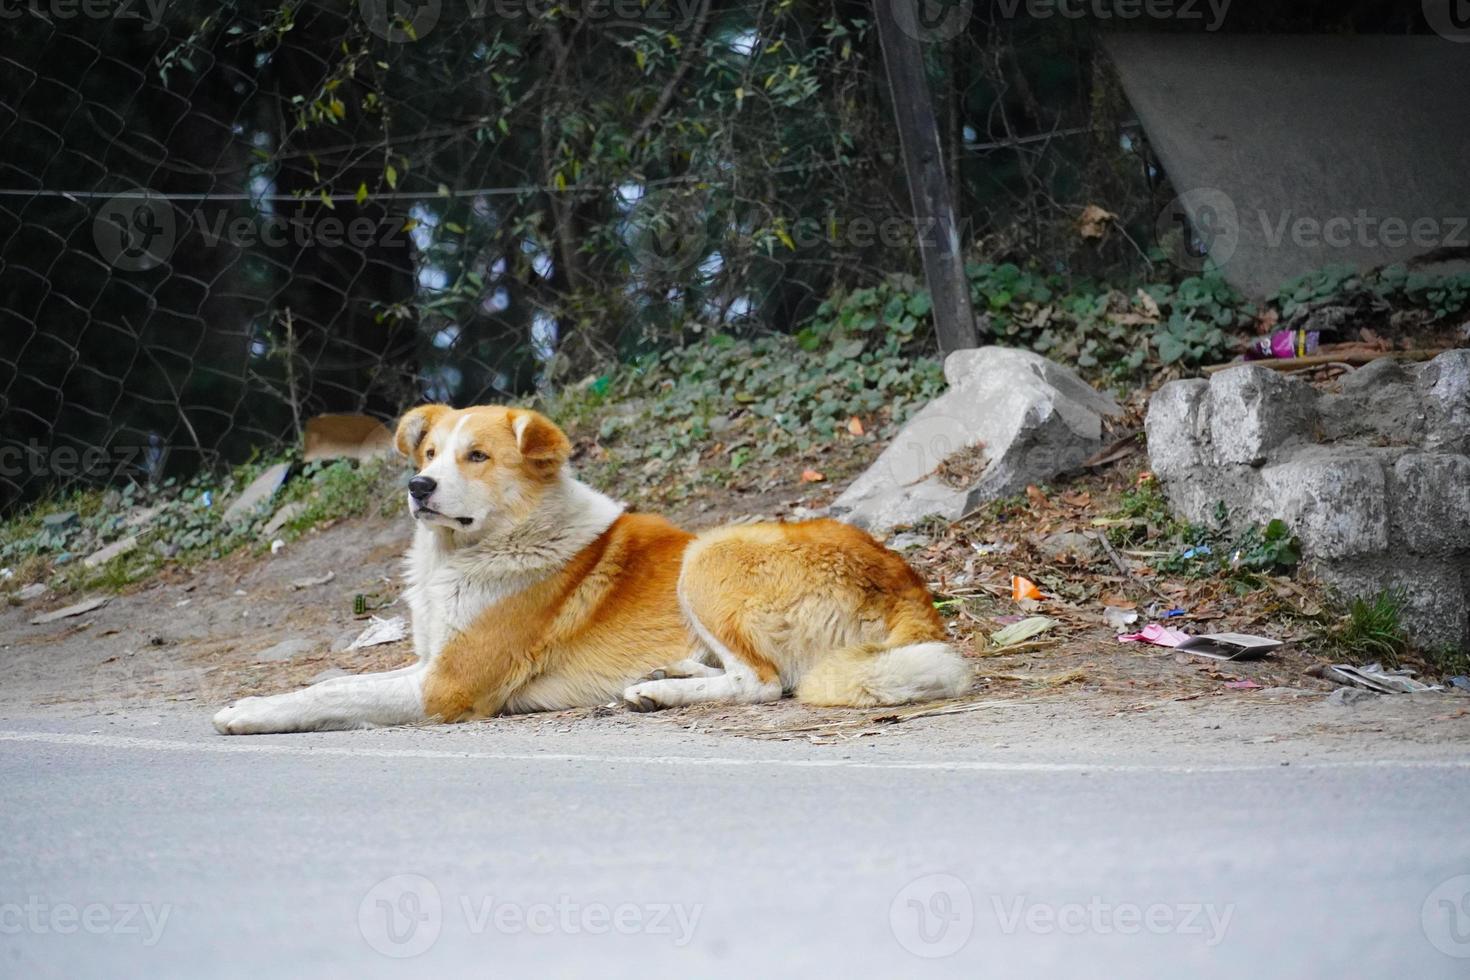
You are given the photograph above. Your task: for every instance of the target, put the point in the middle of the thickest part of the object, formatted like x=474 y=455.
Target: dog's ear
x=414 y=425
x=538 y=438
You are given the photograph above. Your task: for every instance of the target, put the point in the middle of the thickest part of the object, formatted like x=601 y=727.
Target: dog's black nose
x=421 y=486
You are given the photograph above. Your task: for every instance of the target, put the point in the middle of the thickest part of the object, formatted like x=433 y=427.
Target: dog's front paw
x=639 y=698
x=249 y=716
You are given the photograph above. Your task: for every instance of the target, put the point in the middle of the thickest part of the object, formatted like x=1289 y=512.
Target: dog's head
x=479 y=469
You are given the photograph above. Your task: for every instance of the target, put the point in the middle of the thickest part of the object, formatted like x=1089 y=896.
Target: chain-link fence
x=217 y=220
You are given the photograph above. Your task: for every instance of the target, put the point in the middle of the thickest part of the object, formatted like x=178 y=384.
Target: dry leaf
x=1147 y=304
x=1094 y=222
x=855 y=426
x=811 y=476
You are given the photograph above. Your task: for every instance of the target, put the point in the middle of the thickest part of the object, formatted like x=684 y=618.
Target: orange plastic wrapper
x=1023 y=588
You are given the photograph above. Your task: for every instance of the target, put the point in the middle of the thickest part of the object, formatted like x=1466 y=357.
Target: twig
x=1117 y=560
x=692 y=47
x=1319 y=360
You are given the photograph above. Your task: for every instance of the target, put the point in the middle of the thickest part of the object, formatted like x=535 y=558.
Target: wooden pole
x=937 y=229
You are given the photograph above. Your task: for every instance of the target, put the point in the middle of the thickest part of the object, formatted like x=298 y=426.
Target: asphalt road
x=147 y=846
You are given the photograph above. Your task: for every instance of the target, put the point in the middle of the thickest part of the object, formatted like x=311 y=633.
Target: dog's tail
x=874 y=674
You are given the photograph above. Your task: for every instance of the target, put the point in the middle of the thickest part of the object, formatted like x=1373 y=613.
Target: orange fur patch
x=609 y=617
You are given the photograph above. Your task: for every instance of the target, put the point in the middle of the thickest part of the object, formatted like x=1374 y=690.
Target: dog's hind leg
x=746 y=678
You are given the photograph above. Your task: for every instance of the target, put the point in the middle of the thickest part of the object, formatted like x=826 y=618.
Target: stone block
x=1254 y=411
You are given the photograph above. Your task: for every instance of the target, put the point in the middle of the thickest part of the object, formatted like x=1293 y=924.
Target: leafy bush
x=1106 y=331
x=710 y=411
x=1441 y=297
x=179 y=521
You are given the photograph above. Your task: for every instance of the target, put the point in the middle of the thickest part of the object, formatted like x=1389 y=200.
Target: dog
x=531 y=591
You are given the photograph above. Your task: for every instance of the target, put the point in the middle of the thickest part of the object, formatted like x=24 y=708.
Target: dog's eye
x=476 y=456
x=428 y=454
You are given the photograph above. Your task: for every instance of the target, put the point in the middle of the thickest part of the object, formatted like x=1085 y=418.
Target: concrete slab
x=1291 y=153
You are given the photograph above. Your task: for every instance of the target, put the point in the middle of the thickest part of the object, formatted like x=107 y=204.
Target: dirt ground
x=195 y=638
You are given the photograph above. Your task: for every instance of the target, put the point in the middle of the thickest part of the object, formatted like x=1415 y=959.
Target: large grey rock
x=261 y=489
x=1374 y=477
x=1011 y=418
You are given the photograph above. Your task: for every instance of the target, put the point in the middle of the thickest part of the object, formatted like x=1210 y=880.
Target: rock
x=1445 y=383
x=1011 y=418
x=282 y=517
x=1374 y=479
x=1072 y=543
x=261 y=489
x=306 y=583
x=1436 y=592
x=1254 y=411
x=1178 y=429
x=138 y=518
x=1338 y=507
x=33 y=591
x=76 y=609
x=328 y=674
x=1345 y=697
x=905 y=541
x=1431 y=492
x=114 y=550
x=60 y=520
x=285 y=650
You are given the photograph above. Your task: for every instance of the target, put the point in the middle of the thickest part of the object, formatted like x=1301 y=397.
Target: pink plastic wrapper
x=1160 y=636
x=1283 y=344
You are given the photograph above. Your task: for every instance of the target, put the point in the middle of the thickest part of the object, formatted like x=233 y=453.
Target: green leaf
x=1171 y=348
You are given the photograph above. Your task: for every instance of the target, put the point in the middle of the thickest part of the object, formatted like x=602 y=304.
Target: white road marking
x=251 y=744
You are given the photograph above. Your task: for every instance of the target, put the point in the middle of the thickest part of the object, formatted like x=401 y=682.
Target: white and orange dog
x=530 y=591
